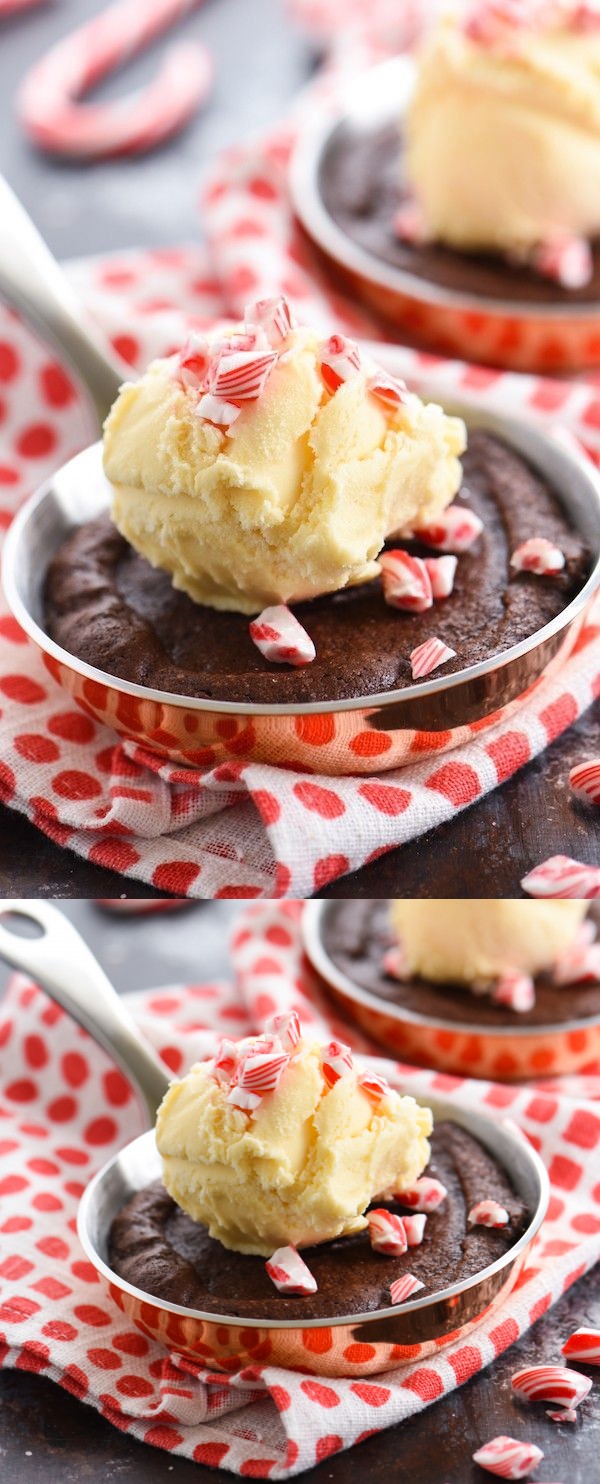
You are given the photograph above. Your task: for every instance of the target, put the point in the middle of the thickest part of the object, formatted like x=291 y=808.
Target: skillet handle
x=62 y=963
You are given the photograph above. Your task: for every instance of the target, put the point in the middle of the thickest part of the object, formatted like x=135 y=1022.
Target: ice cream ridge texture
x=264 y=465
x=476 y=942
x=503 y=132
x=282 y=1140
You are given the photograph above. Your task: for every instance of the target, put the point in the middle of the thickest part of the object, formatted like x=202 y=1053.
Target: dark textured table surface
x=47 y=1437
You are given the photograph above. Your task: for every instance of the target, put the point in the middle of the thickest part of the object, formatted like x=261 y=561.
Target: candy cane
x=49 y=99
x=336 y=1062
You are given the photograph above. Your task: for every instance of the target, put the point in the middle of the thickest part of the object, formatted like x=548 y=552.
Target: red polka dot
x=57 y=389
x=43 y=1167
x=13 y=1268
x=457 y=782
x=74 y=1380
x=74 y=784
x=508 y=753
x=127 y=347
x=134 y=1386
x=21 y=1091
x=540 y=1308
x=60 y=1110
x=359 y=1353
x=85 y=1272
x=52 y=1288
x=373 y=1396
x=7 y=783
x=106 y=1360
x=329 y=868
x=116 y=855
x=36 y=441
x=322 y=1396
x=44 y=1201
x=12 y=1184
x=100 y=1131
x=91 y=1314
x=175 y=876
x=559 y=715
x=53 y=1247
x=59 y=1329
x=583 y=1129
x=268 y=806
x=236 y=893
x=465 y=1362
x=370 y=744
x=586 y=1223
x=74 y=1068
x=319 y=800
x=18 y=1308
x=425 y=1382
x=21 y=688
x=211 y=1454
x=16 y=1224
x=35 y=1358
x=131 y=1343
x=541 y=1109
x=72 y=726
x=257 y=1468
x=116 y=1087
x=282 y=880
x=564 y=1172
x=173 y=1057
x=324 y=1447
x=9 y=361
x=281 y=1397
x=163 y=1437
x=385 y=799
x=11 y=630
x=8 y=475
x=36 y=1054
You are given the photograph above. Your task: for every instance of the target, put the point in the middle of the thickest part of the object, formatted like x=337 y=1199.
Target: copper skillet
x=355 y=1344
x=363 y=734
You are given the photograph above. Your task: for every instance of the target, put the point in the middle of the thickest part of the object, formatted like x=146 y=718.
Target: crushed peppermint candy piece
x=566 y=260
x=429 y=656
x=281 y=638
x=425 y=1194
x=339 y=361
x=538 y=556
x=394 y=963
x=241 y=376
x=216 y=410
x=404 y=1287
x=387 y=1233
x=194 y=362
x=406 y=581
x=454 y=530
x=225 y=1061
x=388 y=389
x=584 y=1345
x=289 y=1272
x=488 y=1213
x=578 y=965
x=414 y=1227
x=242 y=1098
x=336 y=1062
x=585 y=780
x=273 y=316
x=442 y=571
x=566 y=1414
x=560 y=876
x=551 y=1383
x=287 y=1027
x=374 y=1085
x=258 y=1071
x=515 y=990
x=409 y=223
x=508 y=1458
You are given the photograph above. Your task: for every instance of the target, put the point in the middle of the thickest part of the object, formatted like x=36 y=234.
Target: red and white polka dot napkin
x=64 y=1110
x=237 y=830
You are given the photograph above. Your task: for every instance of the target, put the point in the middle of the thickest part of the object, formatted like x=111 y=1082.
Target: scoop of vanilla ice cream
x=503 y=141
x=302 y=1169
x=463 y=942
x=296 y=498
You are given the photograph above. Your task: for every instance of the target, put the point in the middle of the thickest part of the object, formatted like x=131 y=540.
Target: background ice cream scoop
x=503 y=133
x=302 y=1168
x=461 y=942
x=295 y=498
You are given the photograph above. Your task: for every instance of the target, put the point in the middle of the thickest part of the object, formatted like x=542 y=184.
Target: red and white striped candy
x=508 y=1458
x=488 y=1213
x=336 y=1062
x=260 y=1071
x=242 y=1098
x=386 y=1233
x=560 y=876
x=274 y=316
x=515 y=990
x=425 y=1194
x=583 y=1344
x=551 y=1383
x=566 y=260
x=375 y=1086
x=281 y=638
x=585 y=780
x=339 y=361
x=243 y=375
x=414 y=1227
x=388 y=389
x=394 y=963
x=442 y=571
x=225 y=1061
x=403 y=1288
x=578 y=965
x=406 y=581
x=409 y=223
x=289 y=1273
x=194 y=362
x=286 y=1027
x=454 y=530
x=216 y=410
x=49 y=103
x=566 y=1414
x=538 y=556
x=429 y=656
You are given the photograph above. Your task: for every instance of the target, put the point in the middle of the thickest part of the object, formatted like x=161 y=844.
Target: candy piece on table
x=394 y=962
x=585 y=780
x=560 y=876
x=515 y=990
x=454 y=530
x=584 y=1345
x=508 y=1458
x=442 y=571
x=287 y=1027
x=406 y=581
x=551 y=1383
x=49 y=103
x=217 y=411
x=566 y=1414
x=538 y=556
x=289 y=1272
x=273 y=316
x=414 y=1227
x=404 y=1287
x=242 y=375
x=281 y=638
x=387 y=1233
x=566 y=260
x=429 y=656
x=339 y=361
x=579 y=965
x=337 y=1062
x=374 y=1085
x=488 y=1213
x=425 y=1194
x=388 y=389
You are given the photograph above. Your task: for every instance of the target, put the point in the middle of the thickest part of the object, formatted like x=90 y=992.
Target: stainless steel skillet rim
x=477 y=1124
x=391 y=80
x=524 y=437
x=311 y=926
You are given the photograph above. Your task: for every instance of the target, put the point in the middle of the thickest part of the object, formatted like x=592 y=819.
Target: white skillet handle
x=62 y=963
